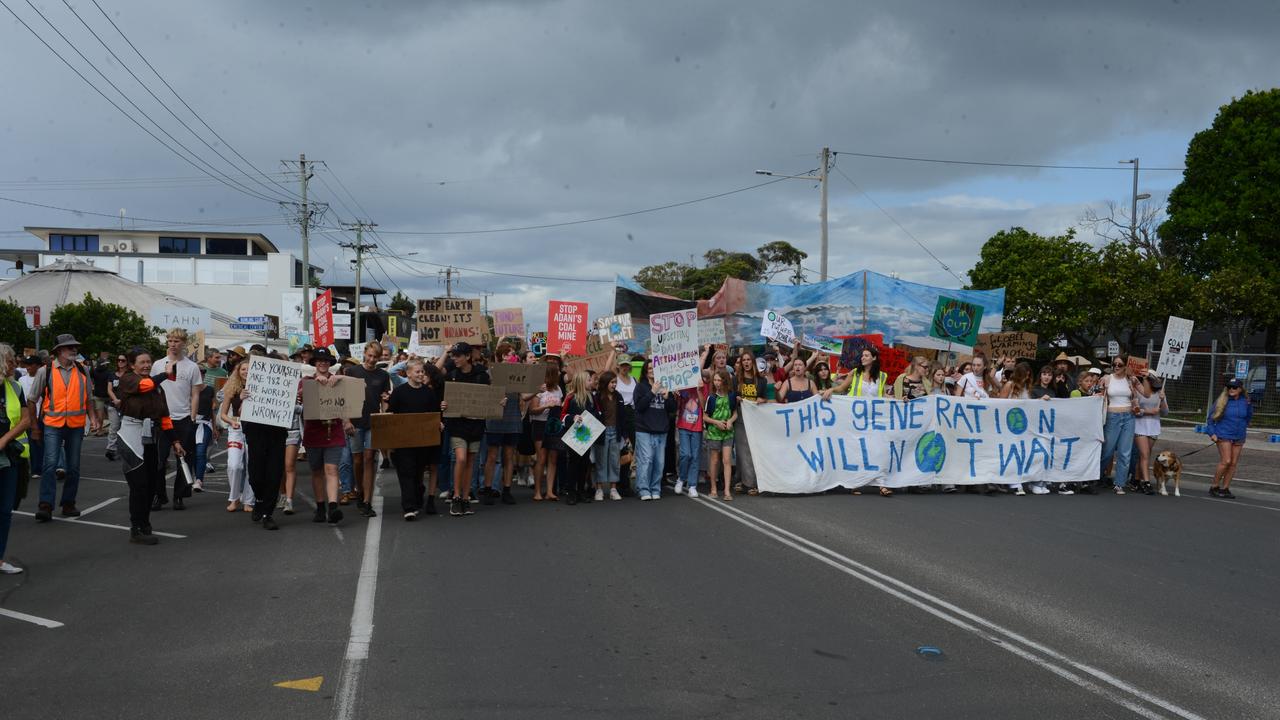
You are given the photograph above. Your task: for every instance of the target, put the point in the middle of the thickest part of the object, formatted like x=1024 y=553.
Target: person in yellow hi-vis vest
x=15 y=417
x=61 y=390
x=865 y=381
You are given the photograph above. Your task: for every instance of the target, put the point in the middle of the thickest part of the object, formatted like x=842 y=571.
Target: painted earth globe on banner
x=1016 y=421
x=957 y=321
x=931 y=453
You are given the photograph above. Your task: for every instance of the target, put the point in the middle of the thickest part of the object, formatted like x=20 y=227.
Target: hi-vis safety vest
x=66 y=403
x=14 y=410
x=855 y=389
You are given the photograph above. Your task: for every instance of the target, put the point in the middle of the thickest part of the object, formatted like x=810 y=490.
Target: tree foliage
x=99 y=325
x=690 y=281
x=401 y=303
x=13 y=326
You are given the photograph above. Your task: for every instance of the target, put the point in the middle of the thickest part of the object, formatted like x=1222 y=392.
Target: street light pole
x=1135 y=196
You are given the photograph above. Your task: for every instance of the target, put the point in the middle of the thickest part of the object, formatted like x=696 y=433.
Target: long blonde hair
x=580 y=388
x=1220 y=405
x=234 y=384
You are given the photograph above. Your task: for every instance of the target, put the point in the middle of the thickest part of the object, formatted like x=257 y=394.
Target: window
x=175 y=271
x=180 y=245
x=226 y=246
x=231 y=272
x=82 y=243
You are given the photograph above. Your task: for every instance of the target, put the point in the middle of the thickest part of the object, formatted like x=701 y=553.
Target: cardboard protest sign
x=711 y=331
x=508 y=322
x=583 y=433
x=344 y=400
x=470 y=400
x=405 y=430
x=930 y=354
x=322 y=318
x=273 y=391
x=956 y=321
x=776 y=326
x=1173 y=353
x=1137 y=366
x=675 y=358
x=518 y=377
x=567 y=327
x=1008 y=344
x=613 y=328
x=595 y=362
x=445 y=321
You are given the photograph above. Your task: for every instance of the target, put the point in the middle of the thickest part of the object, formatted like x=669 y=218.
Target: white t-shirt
x=545 y=398
x=627 y=390
x=177 y=393
x=971 y=386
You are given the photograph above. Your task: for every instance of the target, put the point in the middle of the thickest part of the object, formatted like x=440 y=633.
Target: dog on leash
x=1167 y=466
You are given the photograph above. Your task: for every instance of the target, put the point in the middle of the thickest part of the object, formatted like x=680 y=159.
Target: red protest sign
x=322 y=319
x=567 y=327
x=893 y=362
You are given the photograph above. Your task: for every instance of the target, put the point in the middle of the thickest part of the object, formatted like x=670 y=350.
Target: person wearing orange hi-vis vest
x=61 y=390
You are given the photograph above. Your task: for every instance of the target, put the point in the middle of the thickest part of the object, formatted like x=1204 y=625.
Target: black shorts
x=501 y=439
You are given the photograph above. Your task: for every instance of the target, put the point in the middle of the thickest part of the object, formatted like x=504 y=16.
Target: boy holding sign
x=464 y=432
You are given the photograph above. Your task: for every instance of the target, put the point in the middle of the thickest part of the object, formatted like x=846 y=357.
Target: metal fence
x=1205 y=373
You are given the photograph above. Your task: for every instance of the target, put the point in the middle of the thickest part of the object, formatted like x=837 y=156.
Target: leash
x=1193 y=452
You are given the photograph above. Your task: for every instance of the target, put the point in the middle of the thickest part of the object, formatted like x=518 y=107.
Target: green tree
x=13 y=326
x=685 y=280
x=781 y=256
x=101 y=326
x=666 y=278
x=401 y=303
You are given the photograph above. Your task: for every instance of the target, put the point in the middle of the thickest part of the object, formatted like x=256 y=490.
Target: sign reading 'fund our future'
x=816 y=445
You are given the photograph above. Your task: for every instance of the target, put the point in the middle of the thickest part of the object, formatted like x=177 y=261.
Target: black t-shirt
x=408 y=399
x=1039 y=391
x=205 y=406
x=376 y=382
x=470 y=429
x=102 y=377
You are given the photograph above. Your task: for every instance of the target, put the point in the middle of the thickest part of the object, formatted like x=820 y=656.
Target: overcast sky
x=456 y=116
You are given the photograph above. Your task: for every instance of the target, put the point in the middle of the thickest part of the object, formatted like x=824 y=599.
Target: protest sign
x=711 y=331
x=322 y=318
x=583 y=433
x=1008 y=344
x=341 y=332
x=851 y=349
x=776 y=326
x=1173 y=353
x=470 y=400
x=930 y=354
x=821 y=343
x=675 y=359
x=518 y=377
x=344 y=400
x=956 y=321
x=356 y=350
x=404 y=430
x=613 y=328
x=167 y=317
x=567 y=327
x=816 y=445
x=273 y=391
x=508 y=322
x=595 y=362
x=297 y=340
x=893 y=362
x=538 y=343
x=445 y=321
x=1137 y=366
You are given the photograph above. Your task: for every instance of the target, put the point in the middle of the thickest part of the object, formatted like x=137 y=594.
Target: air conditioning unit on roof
x=124 y=246
x=106 y=247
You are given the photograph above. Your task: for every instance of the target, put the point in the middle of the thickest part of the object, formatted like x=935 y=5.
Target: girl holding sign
x=578 y=402
x=652 y=404
x=233 y=394
x=266 y=466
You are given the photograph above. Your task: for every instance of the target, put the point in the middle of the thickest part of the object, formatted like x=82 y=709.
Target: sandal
x=728 y=498
x=537 y=498
x=885 y=492
x=233 y=506
x=855 y=491
x=715 y=496
x=753 y=492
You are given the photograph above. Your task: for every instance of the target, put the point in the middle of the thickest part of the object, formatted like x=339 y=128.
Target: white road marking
x=1100 y=682
x=1223 y=501
x=43 y=622
x=76 y=521
x=99 y=506
x=344 y=705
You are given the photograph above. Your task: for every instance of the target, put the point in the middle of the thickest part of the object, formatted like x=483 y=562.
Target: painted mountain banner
x=816 y=445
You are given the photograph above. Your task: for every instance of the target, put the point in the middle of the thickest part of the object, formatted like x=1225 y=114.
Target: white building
x=234 y=273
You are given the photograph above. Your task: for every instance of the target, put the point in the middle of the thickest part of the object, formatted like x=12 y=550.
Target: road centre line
x=99 y=506
x=42 y=622
x=344 y=705
x=1100 y=682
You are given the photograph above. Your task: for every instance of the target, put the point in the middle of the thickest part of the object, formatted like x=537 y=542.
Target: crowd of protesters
x=654 y=438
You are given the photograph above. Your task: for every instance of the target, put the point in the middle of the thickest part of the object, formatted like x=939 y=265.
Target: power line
x=583 y=221
x=900 y=225
x=226 y=222
x=492 y=272
x=998 y=164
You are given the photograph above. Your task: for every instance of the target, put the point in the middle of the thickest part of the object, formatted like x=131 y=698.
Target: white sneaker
x=1065 y=489
x=198 y=486
x=613 y=494
x=599 y=494
x=693 y=492
x=646 y=497
x=679 y=486
x=1017 y=490
x=1039 y=489
x=288 y=506
x=9 y=568
x=656 y=496
x=445 y=494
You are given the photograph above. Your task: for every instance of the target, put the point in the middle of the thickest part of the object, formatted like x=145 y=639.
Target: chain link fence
x=1205 y=374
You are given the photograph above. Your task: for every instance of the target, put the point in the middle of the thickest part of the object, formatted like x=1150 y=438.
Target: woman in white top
x=1017 y=386
x=233 y=394
x=548 y=400
x=1121 y=392
x=979 y=383
x=1146 y=428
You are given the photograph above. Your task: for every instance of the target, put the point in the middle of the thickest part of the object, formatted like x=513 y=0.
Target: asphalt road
x=1052 y=607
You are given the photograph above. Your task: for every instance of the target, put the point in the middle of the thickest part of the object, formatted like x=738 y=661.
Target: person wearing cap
x=61 y=393
x=15 y=418
x=182 y=392
x=326 y=443
x=377 y=390
x=1227 y=425
x=464 y=432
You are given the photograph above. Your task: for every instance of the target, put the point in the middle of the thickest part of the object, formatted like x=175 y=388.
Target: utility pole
x=1134 y=197
x=821 y=177
x=448 y=274
x=305 y=213
x=359 y=246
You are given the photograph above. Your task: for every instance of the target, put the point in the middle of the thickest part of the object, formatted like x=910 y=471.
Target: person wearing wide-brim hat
x=60 y=392
x=325 y=441
x=1064 y=372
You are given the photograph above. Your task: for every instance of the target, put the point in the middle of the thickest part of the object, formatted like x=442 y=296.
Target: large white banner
x=1173 y=354
x=674 y=337
x=816 y=445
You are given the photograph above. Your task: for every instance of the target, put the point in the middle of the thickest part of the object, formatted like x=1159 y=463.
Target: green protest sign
x=956 y=322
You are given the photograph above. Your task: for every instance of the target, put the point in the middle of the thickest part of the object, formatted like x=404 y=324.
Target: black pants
x=185 y=431
x=145 y=481
x=266 y=464
x=410 y=464
x=577 y=470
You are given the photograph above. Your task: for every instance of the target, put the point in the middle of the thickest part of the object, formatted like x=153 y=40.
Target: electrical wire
x=230 y=222
x=998 y=164
x=492 y=272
